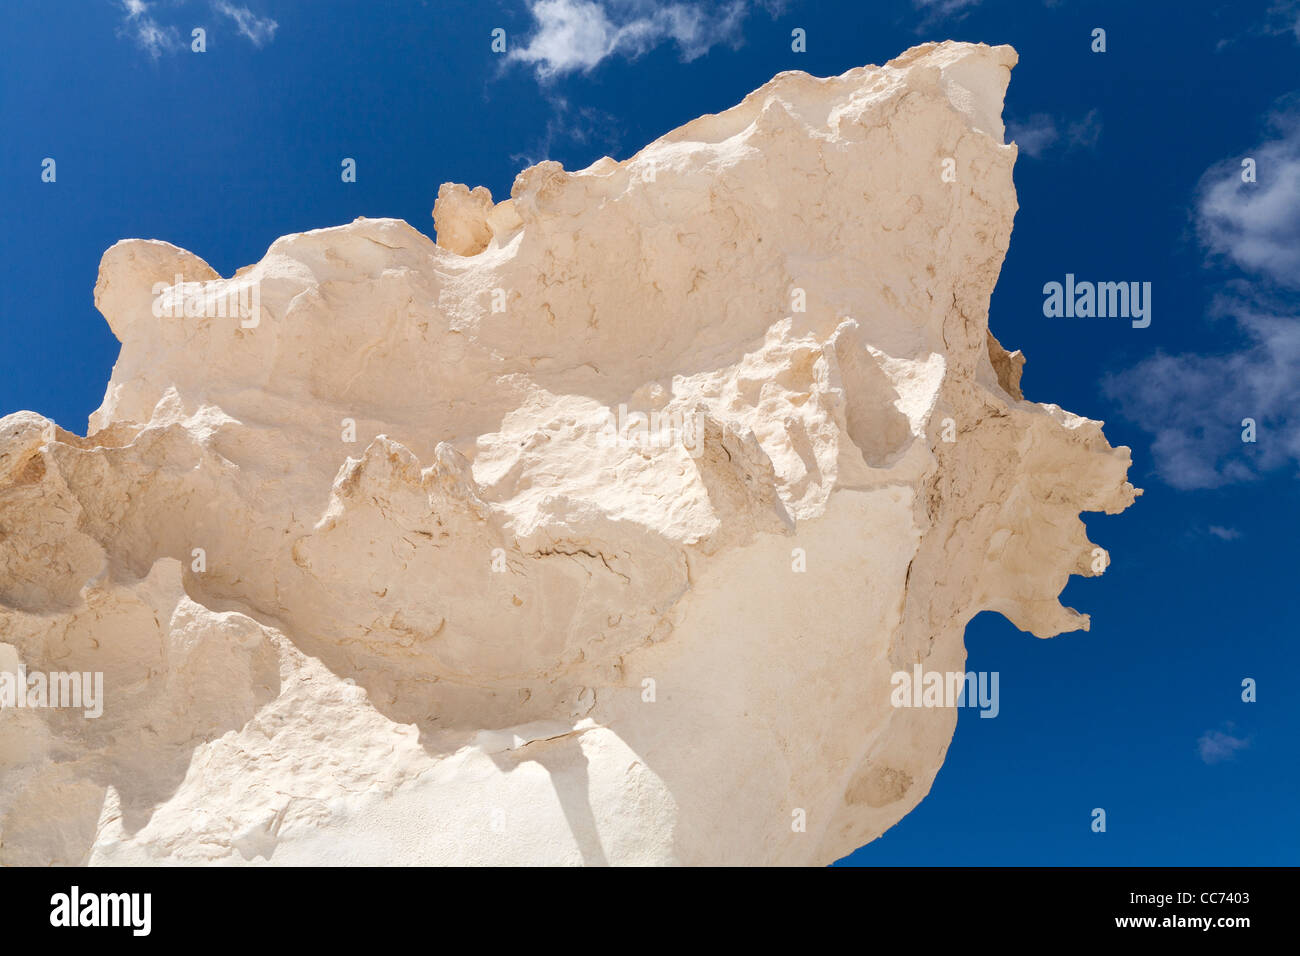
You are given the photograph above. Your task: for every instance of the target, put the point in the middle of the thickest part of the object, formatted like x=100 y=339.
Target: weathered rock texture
x=491 y=631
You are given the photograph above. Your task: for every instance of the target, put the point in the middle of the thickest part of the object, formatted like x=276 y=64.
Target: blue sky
x=1129 y=170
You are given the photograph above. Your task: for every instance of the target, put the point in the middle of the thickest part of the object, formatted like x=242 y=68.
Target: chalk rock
x=592 y=533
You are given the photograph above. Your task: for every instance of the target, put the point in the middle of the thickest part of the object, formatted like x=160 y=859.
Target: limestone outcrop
x=592 y=533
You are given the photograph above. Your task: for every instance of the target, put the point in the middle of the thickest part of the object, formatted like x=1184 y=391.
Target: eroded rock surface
x=371 y=577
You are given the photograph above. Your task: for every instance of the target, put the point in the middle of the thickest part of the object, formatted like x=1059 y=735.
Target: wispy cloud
x=577 y=35
x=1225 y=534
x=1085 y=133
x=258 y=30
x=945 y=8
x=583 y=126
x=1284 y=17
x=1216 y=746
x=141 y=27
x=938 y=11
x=1281 y=18
x=1193 y=405
x=1041 y=132
x=1035 y=135
x=141 y=24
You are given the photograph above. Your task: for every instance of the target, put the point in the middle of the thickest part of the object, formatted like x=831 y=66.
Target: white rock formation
x=495 y=628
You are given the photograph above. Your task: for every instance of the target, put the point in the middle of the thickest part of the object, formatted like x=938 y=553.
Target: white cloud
x=1225 y=534
x=944 y=8
x=258 y=30
x=1194 y=405
x=1257 y=225
x=1040 y=132
x=1084 y=133
x=577 y=35
x=1034 y=135
x=1215 y=746
x=1284 y=17
x=140 y=25
x=1281 y=18
x=146 y=32
x=935 y=11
